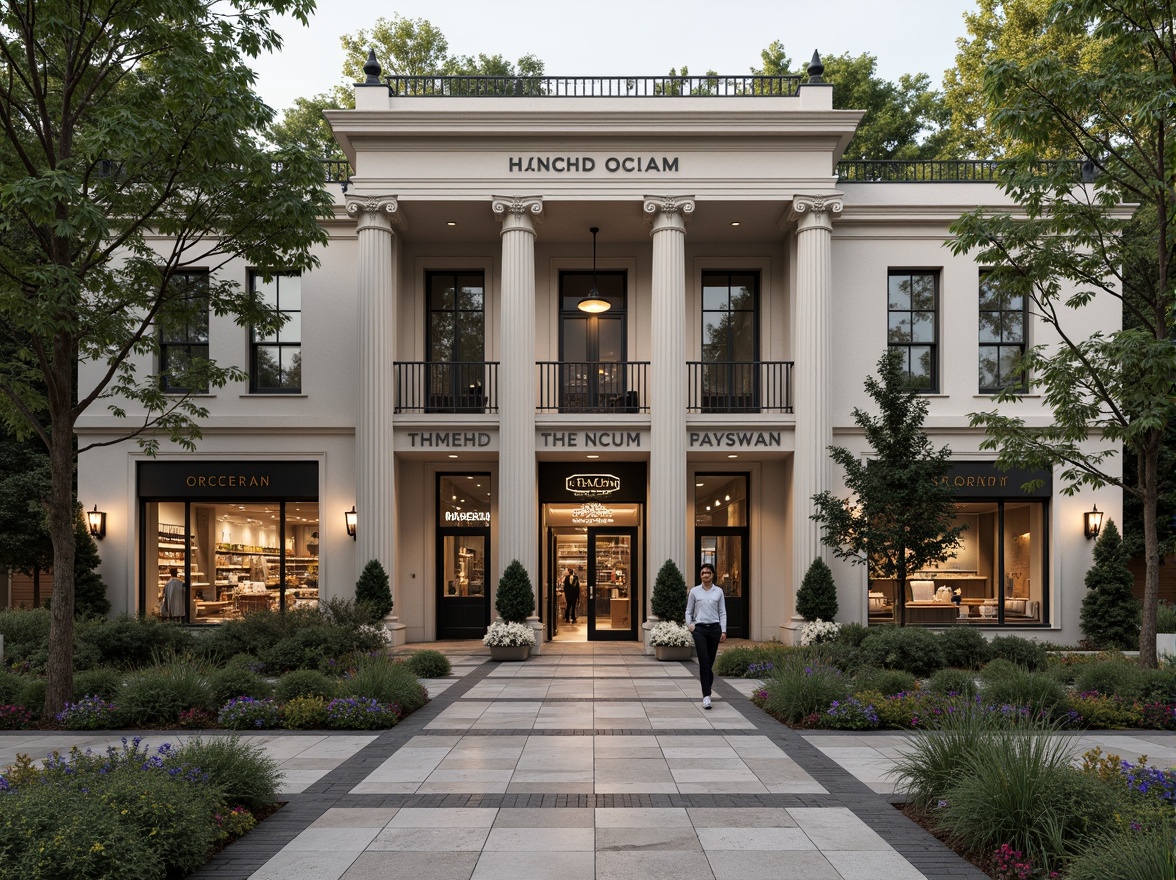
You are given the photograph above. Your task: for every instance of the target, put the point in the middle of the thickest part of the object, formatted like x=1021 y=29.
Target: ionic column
x=811 y=466
x=518 y=522
x=375 y=465
x=667 y=383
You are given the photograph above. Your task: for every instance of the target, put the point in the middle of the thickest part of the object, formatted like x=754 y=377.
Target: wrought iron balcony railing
x=950 y=171
x=446 y=387
x=739 y=387
x=593 y=387
x=593 y=86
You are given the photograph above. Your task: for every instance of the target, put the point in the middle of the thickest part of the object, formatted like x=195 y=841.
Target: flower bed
x=508 y=635
x=668 y=634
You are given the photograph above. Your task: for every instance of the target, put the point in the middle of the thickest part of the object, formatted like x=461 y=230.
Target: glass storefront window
x=231 y=558
x=720 y=500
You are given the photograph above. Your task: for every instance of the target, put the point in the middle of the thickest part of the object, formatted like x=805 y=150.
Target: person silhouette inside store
x=571 y=591
x=173 y=597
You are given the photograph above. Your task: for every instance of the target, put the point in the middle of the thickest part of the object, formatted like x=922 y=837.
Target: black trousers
x=706 y=643
x=571 y=600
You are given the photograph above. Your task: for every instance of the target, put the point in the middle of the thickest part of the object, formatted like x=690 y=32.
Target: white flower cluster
x=378 y=630
x=500 y=635
x=666 y=633
x=817 y=631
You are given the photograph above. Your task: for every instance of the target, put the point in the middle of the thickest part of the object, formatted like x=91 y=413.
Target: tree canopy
x=130 y=153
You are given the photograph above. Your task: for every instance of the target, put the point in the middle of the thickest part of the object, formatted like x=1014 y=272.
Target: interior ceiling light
x=593 y=303
x=735 y=223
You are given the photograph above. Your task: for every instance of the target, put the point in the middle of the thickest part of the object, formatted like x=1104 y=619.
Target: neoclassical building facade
x=594 y=324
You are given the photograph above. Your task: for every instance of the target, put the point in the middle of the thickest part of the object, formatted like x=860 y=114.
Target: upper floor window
x=182 y=325
x=1002 y=336
x=276 y=358
x=456 y=343
x=728 y=378
x=913 y=324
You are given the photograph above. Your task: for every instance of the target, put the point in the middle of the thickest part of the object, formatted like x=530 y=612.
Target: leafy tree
x=374 y=589
x=668 y=601
x=902 y=120
x=129 y=152
x=901 y=515
x=1110 y=613
x=515 y=599
x=1067 y=245
x=817 y=597
x=24 y=488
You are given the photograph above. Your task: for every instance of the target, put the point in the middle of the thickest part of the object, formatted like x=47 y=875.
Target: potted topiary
x=671 y=640
x=817 y=597
x=374 y=591
x=668 y=601
x=514 y=601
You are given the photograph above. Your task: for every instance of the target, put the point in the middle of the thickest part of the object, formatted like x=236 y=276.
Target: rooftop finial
x=816 y=68
x=372 y=68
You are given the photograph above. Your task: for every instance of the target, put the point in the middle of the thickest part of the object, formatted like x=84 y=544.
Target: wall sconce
x=351 y=517
x=97 y=520
x=1092 y=522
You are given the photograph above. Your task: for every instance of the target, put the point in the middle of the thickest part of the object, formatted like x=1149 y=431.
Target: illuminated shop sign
x=228 y=479
x=983 y=479
x=468 y=516
x=734 y=439
x=592 y=514
x=589 y=485
x=590 y=439
x=588 y=164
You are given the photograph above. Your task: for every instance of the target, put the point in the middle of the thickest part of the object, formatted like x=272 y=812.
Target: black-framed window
x=1003 y=317
x=275 y=359
x=730 y=339
x=182 y=326
x=457 y=317
x=913 y=324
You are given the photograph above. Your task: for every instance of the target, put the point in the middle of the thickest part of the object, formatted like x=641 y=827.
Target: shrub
x=1106 y=712
x=910 y=711
x=25 y=631
x=934 y=758
x=308 y=648
x=15 y=717
x=386 y=681
x=373 y=590
x=998 y=668
x=817 y=597
x=850 y=714
x=246 y=713
x=953 y=681
x=819 y=632
x=797 y=690
x=429 y=664
x=88 y=713
x=964 y=647
x=305 y=683
x=853 y=634
x=1018 y=787
x=134 y=642
x=237 y=681
x=158 y=694
x=32 y=696
x=10 y=687
x=1166 y=618
x=734 y=662
x=338 y=633
x=1109 y=679
x=1131 y=855
x=361 y=713
x=1024 y=652
x=305 y=713
x=885 y=681
x=1038 y=690
x=515 y=598
x=1110 y=611
x=241 y=769
x=915 y=650
x=102 y=682
x=1158 y=716
x=668 y=601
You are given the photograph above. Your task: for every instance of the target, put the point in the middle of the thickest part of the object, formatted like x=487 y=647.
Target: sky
x=631 y=37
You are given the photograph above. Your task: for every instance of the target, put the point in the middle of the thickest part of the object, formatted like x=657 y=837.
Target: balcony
x=593 y=387
x=446 y=387
x=739 y=387
x=711 y=86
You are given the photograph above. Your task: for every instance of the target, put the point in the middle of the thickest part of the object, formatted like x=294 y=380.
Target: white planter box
x=1166 y=645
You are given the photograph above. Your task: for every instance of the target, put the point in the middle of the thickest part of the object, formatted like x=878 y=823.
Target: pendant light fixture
x=594 y=303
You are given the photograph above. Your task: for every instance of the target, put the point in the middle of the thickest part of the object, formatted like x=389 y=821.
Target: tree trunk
x=62 y=510
x=900 y=598
x=1149 y=465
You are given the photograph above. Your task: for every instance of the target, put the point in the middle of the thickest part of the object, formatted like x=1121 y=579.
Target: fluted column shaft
x=667 y=369
x=375 y=466
x=518 y=522
x=812 y=468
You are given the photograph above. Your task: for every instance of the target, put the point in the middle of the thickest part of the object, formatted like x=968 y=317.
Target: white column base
x=790 y=632
x=537 y=626
x=397 y=630
x=645 y=628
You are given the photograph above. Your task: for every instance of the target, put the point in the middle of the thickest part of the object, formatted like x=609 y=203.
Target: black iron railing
x=593 y=86
x=949 y=171
x=592 y=387
x=336 y=170
x=446 y=387
x=739 y=387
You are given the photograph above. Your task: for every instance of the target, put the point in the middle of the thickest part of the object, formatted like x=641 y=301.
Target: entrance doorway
x=604 y=561
x=722 y=538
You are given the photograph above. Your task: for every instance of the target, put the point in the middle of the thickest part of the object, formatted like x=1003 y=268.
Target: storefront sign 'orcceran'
x=592 y=485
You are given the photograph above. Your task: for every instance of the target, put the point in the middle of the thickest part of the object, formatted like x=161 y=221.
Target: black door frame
x=453 y=631
x=739 y=622
x=613 y=635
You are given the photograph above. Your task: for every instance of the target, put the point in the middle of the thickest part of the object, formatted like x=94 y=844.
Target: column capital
x=375 y=212
x=656 y=206
x=813 y=211
x=518 y=206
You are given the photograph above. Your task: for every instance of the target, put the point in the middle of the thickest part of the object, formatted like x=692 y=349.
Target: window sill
x=983 y=396
x=271 y=395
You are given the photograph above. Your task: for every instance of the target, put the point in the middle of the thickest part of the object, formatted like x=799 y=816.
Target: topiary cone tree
x=1110 y=612
x=669 y=593
x=515 y=599
x=817 y=597
x=374 y=590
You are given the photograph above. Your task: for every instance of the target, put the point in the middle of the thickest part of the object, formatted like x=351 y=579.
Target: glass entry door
x=463 y=602
x=612 y=594
x=726 y=550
